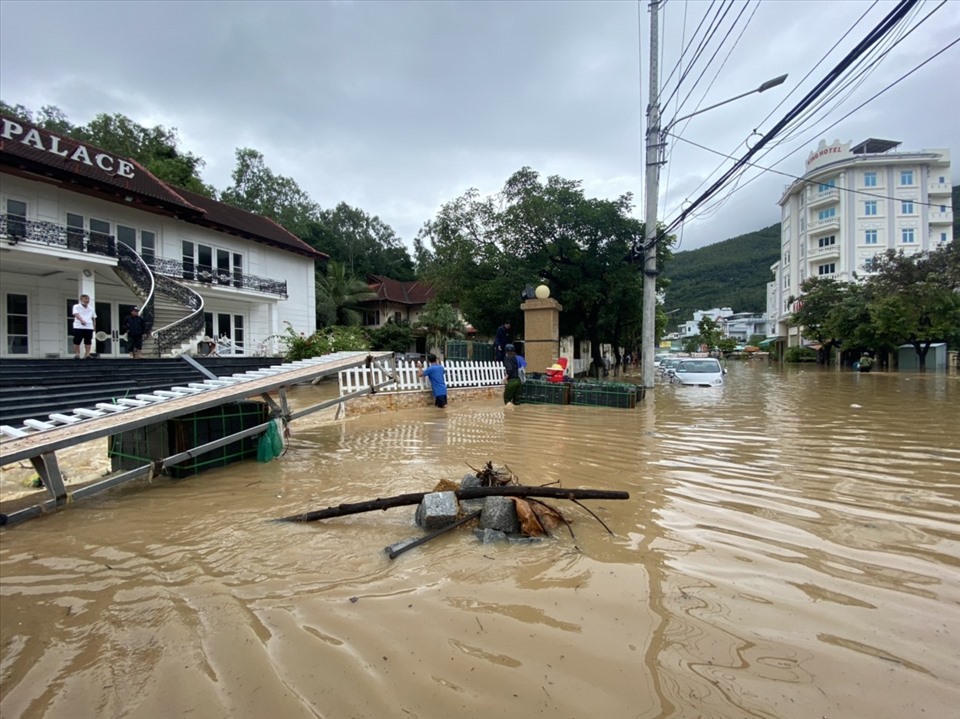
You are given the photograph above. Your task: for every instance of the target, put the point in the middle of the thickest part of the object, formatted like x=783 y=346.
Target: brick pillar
x=541 y=333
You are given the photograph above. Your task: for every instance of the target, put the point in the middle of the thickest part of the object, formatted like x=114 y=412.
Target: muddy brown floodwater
x=791 y=549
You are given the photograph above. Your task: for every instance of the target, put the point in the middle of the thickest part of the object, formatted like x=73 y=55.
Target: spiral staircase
x=172 y=311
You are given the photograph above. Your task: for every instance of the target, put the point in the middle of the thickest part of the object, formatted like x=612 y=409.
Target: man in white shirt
x=83 y=317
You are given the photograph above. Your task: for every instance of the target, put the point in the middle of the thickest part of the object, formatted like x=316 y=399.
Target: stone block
x=499 y=513
x=488 y=536
x=470 y=481
x=437 y=510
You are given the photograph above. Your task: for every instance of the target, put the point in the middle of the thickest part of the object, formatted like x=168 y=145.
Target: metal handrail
x=139 y=272
x=178 y=332
x=16 y=228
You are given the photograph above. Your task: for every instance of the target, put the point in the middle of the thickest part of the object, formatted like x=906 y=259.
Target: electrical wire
x=711 y=209
x=838 y=121
x=875 y=35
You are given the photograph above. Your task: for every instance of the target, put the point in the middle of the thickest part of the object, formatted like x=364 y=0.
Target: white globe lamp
x=542 y=292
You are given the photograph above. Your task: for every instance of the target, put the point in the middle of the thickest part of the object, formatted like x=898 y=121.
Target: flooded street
x=791 y=549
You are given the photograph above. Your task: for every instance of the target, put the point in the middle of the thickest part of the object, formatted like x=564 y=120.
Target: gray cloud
x=396 y=107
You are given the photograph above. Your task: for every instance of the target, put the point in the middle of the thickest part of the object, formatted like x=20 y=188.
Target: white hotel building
x=852 y=204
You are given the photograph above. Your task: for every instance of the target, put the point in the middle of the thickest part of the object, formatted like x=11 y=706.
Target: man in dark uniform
x=511 y=376
x=135 y=328
x=501 y=340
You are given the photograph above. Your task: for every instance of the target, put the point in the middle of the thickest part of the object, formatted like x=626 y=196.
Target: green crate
x=619 y=395
x=144 y=445
x=542 y=392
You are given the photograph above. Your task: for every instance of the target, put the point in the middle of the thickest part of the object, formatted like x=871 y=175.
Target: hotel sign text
x=10 y=130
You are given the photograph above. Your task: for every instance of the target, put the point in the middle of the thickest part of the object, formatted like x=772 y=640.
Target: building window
x=147 y=246
x=870 y=237
x=869 y=179
x=827 y=241
x=870 y=207
x=16 y=219
x=827 y=269
x=372 y=319
x=828 y=185
x=827 y=213
x=906 y=177
x=870 y=264
x=17 y=337
x=943 y=180
x=906 y=207
x=906 y=236
x=943 y=237
x=943 y=208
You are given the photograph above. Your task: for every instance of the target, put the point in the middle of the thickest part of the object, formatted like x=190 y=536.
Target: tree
x=710 y=333
x=916 y=299
x=339 y=295
x=364 y=243
x=441 y=322
x=820 y=296
x=256 y=188
x=483 y=251
x=393 y=337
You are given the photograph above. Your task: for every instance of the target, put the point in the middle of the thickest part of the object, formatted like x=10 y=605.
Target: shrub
x=800 y=354
x=299 y=346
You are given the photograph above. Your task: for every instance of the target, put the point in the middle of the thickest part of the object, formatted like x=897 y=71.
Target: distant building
x=691 y=328
x=741 y=326
x=395 y=301
x=851 y=205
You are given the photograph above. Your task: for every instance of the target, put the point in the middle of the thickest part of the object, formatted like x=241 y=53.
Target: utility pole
x=648 y=336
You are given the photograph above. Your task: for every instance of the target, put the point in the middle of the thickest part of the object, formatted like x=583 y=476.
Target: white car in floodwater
x=699 y=372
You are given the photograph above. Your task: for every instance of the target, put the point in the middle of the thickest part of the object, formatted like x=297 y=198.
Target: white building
x=852 y=204
x=691 y=328
x=75 y=219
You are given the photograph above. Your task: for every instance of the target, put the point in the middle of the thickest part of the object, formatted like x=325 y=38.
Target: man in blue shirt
x=436 y=374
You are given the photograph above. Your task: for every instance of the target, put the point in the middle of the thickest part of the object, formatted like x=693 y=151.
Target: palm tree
x=338 y=296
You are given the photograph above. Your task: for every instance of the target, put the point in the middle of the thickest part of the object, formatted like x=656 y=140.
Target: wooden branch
x=394 y=551
x=402 y=500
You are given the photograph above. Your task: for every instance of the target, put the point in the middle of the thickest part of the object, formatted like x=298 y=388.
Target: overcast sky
x=397 y=107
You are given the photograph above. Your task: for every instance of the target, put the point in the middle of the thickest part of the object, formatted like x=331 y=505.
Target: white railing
x=460 y=373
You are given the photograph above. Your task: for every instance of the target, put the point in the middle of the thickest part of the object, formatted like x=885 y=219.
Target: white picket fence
x=460 y=373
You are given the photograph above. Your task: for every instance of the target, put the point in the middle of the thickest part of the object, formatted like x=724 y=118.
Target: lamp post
x=654 y=153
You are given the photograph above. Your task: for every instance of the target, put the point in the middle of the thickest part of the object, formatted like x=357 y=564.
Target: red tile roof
x=403 y=293
x=29 y=148
x=37 y=150
x=228 y=218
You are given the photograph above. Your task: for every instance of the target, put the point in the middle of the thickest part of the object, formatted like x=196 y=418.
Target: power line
x=796 y=87
x=875 y=35
x=805 y=181
x=838 y=121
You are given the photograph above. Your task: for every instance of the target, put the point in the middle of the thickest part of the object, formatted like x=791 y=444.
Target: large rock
x=470 y=481
x=499 y=513
x=437 y=510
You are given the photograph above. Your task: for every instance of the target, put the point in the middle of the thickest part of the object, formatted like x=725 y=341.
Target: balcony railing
x=939 y=188
x=824 y=225
x=213 y=276
x=15 y=229
x=938 y=217
x=816 y=197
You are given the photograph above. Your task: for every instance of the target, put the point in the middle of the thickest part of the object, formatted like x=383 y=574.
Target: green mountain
x=733 y=273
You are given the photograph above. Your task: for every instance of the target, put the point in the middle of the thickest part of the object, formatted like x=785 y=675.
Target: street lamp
x=654 y=159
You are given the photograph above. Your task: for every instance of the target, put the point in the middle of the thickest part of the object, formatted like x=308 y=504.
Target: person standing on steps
x=83 y=317
x=438 y=383
x=511 y=376
x=501 y=340
x=135 y=328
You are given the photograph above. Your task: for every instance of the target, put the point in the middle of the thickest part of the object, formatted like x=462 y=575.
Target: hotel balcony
x=939 y=188
x=940 y=218
x=818 y=254
x=816 y=198
x=39 y=237
x=819 y=227
x=15 y=230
